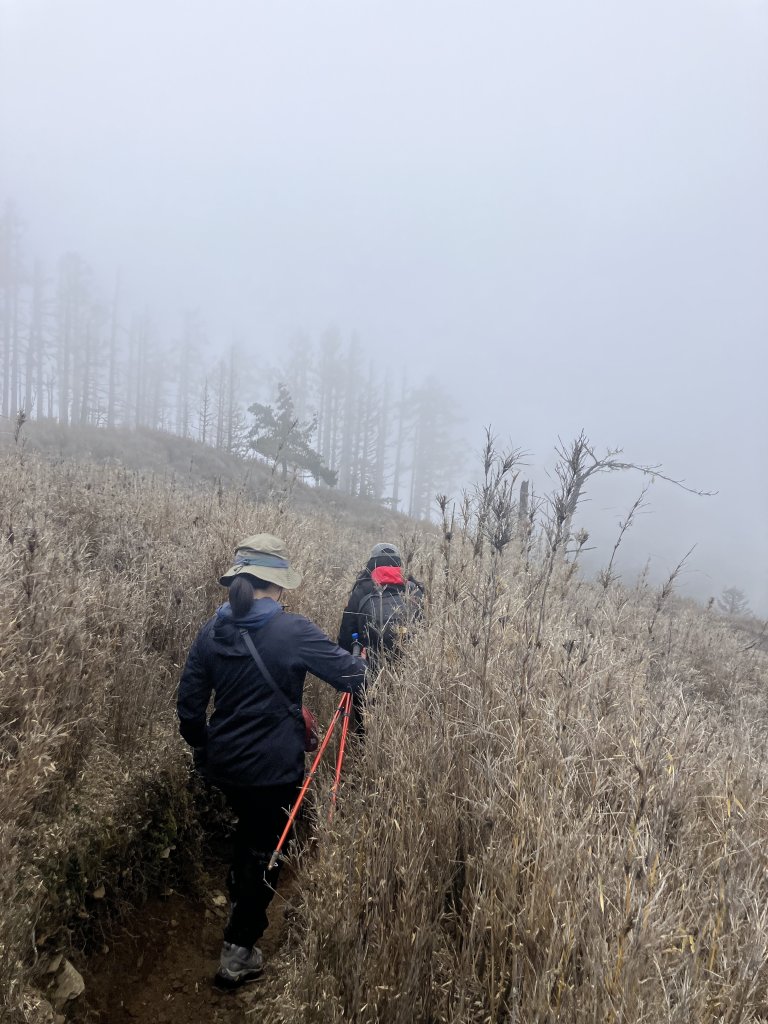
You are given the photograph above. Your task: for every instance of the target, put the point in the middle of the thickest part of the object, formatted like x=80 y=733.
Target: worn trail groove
x=159 y=967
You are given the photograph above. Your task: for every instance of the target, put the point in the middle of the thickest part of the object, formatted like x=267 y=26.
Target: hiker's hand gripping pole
x=295 y=809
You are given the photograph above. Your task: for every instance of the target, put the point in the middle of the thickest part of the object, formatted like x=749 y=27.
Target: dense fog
x=547 y=217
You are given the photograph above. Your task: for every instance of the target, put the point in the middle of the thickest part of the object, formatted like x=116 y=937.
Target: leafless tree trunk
x=10 y=280
x=33 y=378
x=189 y=352
x=6 y=261
x=112 y=378
x=39 y=314
x=331 y=378
x=382 y=436
x=16 y=276
x=298 y=374
x=86 y=369
x=231 y=393
x=137 y=374
x=401 y=415
x=350 y=417
x=69 y=301
x=219 y=401
x=205 y=412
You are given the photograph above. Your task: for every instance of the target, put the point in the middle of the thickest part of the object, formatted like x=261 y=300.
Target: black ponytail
x=242 y=591
x=241 y=596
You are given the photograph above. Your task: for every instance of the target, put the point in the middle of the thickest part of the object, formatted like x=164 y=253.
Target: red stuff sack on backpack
x=311 y=731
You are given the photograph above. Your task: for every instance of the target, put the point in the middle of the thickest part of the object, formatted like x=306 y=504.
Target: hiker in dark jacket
x=383 y=571
x=252 y=746
x=383 y=568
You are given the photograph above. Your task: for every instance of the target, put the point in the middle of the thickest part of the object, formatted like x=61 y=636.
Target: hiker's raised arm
x=329 y=661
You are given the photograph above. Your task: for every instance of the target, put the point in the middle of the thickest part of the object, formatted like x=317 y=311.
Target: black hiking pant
x=262 y=812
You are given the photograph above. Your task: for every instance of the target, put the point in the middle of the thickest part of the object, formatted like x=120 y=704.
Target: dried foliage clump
x=559 y=811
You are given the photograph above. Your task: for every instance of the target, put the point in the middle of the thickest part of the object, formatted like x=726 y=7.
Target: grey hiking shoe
x=237 y=965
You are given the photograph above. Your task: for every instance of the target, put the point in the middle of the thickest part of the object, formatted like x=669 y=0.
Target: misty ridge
x=546 y=218
x=330 y=414
x=328 y=411
x=557 y=214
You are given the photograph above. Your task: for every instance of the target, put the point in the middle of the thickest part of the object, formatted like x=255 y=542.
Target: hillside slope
x=560 y=811
x=190 y=463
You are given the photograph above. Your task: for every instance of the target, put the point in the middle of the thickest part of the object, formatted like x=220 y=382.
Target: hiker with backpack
x=253 y=657
x=383 y=606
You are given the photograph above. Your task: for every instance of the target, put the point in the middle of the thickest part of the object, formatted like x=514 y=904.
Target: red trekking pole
x=357 y=651
x=347 y=698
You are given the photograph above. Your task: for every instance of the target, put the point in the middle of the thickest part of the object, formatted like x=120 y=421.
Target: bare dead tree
x=112 y=371
x=578 y=463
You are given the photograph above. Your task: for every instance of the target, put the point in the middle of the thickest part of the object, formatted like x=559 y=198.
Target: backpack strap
x=367 y=600
x=247 y=640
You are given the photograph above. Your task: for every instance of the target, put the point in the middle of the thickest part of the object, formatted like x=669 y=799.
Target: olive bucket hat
x=265 y=557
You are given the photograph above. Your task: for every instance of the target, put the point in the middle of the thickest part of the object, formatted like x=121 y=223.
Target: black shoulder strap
x=369 y=599
x=266 y=673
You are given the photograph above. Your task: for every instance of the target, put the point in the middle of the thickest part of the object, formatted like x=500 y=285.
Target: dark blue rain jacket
x=252 y=738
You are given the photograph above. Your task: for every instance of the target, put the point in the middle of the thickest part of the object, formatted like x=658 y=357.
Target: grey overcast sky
x=560 y=208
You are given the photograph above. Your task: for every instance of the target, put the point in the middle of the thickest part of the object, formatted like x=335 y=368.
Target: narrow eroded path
x=159 y=967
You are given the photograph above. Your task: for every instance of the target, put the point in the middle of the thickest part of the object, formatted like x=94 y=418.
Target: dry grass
x=559 y=813
x=105 y=575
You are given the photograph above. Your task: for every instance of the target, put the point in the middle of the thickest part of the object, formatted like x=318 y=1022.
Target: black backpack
x=390 y=612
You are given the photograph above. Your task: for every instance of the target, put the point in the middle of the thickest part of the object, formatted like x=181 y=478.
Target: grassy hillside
x=154 y=453
x=559 y=814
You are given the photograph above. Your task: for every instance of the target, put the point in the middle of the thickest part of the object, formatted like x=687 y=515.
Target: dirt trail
x=159 y=967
